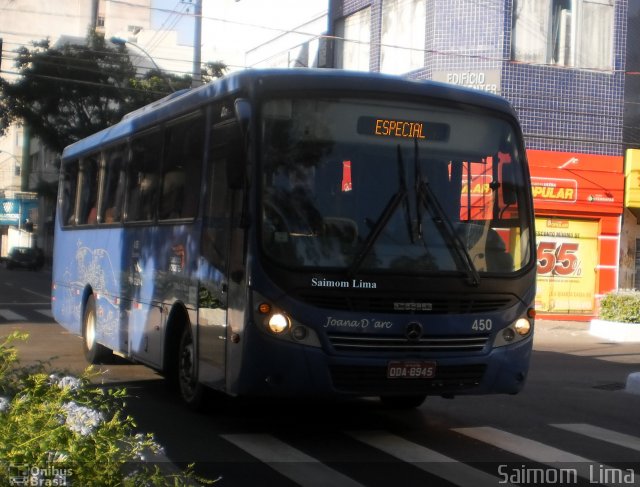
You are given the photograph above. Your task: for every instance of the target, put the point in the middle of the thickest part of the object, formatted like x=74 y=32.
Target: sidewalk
x=574 y=338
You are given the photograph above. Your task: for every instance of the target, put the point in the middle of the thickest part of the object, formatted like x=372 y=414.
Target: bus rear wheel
x=403 y=402
x=191 y=391
x=93 y=351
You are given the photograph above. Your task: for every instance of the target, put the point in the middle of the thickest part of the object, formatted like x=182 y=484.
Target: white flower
x=5 y=404
x=81 y=419
x=146 y=445
x=57 y=457
x=66 y=382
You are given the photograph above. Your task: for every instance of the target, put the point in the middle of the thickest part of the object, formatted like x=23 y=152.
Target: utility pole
x=197 y=45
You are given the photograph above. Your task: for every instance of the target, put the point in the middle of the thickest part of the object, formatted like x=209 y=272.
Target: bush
x=622 y=306
x=58 y=429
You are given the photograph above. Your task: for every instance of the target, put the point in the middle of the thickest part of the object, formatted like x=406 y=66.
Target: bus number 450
x=482 y=325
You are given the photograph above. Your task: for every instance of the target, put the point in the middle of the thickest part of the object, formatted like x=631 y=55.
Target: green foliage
x=58 y=428
x=622 y=306
x=72 y=90
x=69 y=91
x=213 y=70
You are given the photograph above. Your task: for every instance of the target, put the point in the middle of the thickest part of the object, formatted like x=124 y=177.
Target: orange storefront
x=578 y=203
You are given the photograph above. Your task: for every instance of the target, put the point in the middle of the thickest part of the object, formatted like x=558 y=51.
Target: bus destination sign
x=408 y=129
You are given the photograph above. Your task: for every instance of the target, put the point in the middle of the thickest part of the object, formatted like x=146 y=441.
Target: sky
x=231 y=27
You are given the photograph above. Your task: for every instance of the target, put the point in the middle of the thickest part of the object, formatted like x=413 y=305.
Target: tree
x=212 y=70
x=70 y=91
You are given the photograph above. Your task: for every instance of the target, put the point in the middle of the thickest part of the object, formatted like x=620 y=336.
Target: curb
x=619 y=333
x=633 y=383
x=614 y=331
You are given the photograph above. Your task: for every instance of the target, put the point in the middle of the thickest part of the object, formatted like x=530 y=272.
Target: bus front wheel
x=191 y=391
x=93 y=351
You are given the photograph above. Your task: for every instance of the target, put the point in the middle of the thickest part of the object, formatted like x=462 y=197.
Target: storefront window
x=567 y=252
x=575 y=33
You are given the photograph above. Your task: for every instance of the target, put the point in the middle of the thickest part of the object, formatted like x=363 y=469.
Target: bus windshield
x=362 y=185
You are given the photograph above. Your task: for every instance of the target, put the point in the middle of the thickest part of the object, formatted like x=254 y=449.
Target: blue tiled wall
x=561 y=109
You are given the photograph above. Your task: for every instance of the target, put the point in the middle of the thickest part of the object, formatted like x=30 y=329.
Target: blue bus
x=304 y=233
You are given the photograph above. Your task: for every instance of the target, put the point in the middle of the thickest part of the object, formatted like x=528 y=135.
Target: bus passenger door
x=214 y=267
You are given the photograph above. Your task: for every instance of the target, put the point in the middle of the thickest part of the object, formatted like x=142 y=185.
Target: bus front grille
x=403 y=304
x=366 y=343
x=373 y=380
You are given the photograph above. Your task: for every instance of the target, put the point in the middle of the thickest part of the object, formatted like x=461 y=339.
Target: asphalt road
x=573 y=416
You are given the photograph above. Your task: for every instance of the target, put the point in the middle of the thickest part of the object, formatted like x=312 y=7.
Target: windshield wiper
x=385 y=216
x=426 y=196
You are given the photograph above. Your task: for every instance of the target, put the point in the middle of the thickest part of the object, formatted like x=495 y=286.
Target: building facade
x=561 y=63
x=28 y=169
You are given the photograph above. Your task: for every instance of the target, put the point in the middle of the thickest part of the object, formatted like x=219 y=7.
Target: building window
x=575 y=33
x=403 y=35
x=354 y=40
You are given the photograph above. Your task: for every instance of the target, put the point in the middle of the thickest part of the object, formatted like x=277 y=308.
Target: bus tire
x=403 y=402
x=191 y=391
x=93 y=351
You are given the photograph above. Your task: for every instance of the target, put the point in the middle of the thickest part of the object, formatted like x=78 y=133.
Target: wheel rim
x=90 y=330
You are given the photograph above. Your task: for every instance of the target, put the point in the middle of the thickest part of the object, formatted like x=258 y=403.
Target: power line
x=596 y=111
x=484 y=57
x=91 y=83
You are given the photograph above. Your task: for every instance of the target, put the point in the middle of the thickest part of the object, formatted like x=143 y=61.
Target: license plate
x=411 y=370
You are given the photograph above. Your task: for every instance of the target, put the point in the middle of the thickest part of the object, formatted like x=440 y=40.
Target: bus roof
x=253 y=82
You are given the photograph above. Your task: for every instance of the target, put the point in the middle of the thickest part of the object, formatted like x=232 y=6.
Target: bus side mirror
x=237 y=160
x=509 y=194
x=243 y=115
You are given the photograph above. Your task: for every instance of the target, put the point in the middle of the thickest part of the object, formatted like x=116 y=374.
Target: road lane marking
x=9 y=315
x=426 y=459
x=610 y=436
x=539 y=452
x=290 y=462
x=40 y=295
x=45 y=312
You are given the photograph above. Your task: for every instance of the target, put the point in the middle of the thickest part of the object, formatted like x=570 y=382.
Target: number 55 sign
x=567 y=256
x=559 y=258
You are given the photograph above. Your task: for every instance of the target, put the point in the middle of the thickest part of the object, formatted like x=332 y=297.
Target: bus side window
x=68 y=193
x=216 y=234
x=89 y=185
x=144 y=177
x=114 y=185
x=182 y=168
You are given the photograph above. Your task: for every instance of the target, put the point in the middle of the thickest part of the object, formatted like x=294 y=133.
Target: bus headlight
x=278 y=323
x=518 y=330
x=522 y=327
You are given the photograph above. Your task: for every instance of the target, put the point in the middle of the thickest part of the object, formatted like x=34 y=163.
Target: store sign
x=567 y=253
x=554 y=189
x=632 y=179
x=484 y=80
x=14 y=211
x=589 y=182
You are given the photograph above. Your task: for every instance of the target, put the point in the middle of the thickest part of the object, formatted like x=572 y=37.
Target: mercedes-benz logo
x=413 y=331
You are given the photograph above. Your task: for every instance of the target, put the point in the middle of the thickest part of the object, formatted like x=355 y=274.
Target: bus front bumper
x=286 y=369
